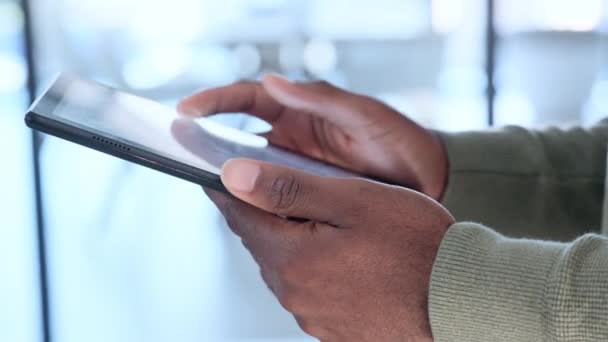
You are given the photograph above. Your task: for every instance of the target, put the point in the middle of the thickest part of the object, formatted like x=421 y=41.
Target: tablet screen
x=146 y=124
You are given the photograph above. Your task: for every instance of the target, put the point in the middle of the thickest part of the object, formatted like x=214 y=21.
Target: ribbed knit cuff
x=486 y=287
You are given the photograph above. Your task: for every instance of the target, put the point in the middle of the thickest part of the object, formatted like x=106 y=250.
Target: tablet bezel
x=39 y=117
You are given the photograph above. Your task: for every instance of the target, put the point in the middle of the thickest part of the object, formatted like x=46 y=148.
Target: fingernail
x=187 y=111
x=240 y=175
x=278 y=78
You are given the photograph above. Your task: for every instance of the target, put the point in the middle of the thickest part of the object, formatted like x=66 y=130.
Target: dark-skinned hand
x=357 y=263
x=323 y=122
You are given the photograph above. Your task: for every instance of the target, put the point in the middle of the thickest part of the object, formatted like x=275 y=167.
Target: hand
x=356 y=266
x=330 y=124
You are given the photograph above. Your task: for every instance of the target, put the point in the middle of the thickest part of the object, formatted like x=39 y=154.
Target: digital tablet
x=153 y=135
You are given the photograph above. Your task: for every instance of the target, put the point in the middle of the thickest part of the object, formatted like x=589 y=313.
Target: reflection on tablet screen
x=216 y=144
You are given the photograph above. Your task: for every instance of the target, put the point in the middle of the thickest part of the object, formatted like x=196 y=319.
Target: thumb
x=319 y=99
x=292 y=193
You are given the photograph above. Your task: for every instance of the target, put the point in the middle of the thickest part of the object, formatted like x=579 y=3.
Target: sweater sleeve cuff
x=493 y=150
x=493 y=153
x=485 y=287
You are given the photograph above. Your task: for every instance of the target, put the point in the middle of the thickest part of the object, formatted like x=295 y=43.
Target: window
x=552 y=62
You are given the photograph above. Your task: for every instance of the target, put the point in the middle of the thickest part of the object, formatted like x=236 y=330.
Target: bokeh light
x=320 y=57
x=248 y=59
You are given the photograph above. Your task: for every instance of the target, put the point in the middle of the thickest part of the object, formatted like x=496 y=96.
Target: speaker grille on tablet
x=111 y=143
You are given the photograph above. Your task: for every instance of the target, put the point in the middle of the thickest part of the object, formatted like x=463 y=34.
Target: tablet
x=148 y=133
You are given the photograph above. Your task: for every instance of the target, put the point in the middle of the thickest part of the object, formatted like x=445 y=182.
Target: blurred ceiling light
x=555 y=15
x=169 y=21
x=11 y=18
x=581 y=15
x=154 y=67
x=320 y=57
x=249 y=60
x=14 y=74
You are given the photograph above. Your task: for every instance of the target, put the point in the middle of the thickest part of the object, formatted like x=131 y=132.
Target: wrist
x=420 y=161
x=428 y=163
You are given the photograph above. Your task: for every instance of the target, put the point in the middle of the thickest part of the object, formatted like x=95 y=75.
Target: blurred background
x=128 y=254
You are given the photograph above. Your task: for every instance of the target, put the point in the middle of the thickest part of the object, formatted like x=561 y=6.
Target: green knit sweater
x=535 y=187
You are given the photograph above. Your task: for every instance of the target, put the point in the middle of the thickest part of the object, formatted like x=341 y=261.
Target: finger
x=234 y=211
x=320 y=99
x=317 y=330
x=292 y=193
x=246 y=97
x=268 y=237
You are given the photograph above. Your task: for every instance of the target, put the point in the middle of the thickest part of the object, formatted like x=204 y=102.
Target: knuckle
x=285 y=192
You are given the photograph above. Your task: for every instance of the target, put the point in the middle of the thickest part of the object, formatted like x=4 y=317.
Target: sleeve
x=540 y=184
x=486 y=287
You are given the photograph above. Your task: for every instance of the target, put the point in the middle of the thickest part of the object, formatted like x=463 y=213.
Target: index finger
x=242 y=97
x=267 y=236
